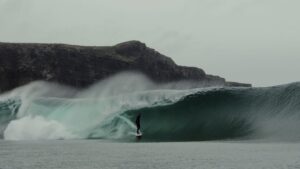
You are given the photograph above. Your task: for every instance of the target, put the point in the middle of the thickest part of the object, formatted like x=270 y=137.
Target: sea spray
x=36 y=128
x=170 y=112
x=92 y=113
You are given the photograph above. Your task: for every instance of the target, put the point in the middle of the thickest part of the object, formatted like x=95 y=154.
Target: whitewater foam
x=36 y=128
x=94 y=112
x=107 y=110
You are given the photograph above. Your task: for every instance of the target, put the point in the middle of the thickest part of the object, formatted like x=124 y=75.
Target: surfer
x=138 y=124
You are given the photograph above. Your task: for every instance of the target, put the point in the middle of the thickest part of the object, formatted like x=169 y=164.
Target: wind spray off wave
x=169 y=113
x=48 y=108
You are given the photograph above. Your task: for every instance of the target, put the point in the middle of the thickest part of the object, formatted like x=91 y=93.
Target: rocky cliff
x=81 y=66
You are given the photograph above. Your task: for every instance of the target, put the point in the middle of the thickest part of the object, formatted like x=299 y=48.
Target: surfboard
x=139 y=134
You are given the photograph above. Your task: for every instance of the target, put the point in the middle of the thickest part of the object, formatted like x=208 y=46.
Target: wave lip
x=226 y=113
x=108 y=111
x=92 y=113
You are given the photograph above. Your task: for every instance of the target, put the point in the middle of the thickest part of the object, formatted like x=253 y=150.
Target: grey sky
x=254 y=41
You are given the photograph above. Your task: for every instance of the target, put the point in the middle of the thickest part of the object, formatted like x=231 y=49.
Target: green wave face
x=166 y=115
x=227 y=113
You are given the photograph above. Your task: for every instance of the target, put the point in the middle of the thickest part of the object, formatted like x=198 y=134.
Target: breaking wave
x=170 y=112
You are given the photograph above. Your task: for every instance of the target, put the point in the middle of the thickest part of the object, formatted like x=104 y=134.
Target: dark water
x=167 y=115
x=225 y=113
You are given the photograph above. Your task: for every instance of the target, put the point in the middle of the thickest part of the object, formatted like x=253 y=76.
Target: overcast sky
x=253 y=41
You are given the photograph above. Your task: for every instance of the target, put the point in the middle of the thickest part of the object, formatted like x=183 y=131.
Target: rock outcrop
x=81 y=66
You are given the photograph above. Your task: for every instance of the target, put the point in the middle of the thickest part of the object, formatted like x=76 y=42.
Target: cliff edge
x=81 y=66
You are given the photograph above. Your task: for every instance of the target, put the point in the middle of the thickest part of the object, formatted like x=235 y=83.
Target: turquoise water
x=169 y=112
x=45 y=125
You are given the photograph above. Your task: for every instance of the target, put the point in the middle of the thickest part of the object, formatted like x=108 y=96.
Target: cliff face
x=80 y=66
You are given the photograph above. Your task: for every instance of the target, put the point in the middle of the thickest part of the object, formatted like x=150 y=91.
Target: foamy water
x=170 y=112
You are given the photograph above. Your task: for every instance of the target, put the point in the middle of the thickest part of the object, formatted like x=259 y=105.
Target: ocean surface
x=42 y=110
x=46 y=125
x=94 y=154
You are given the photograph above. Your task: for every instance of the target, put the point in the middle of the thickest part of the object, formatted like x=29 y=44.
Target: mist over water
x=51 y=111
x=170 y=112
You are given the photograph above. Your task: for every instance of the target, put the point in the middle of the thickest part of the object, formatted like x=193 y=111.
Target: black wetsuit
x=138 y=124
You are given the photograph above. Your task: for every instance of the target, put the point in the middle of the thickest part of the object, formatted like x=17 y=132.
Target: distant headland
x=81 y=66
